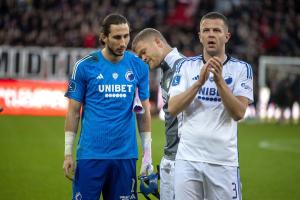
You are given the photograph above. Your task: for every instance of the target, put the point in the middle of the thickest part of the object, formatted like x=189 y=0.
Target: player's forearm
x=72 y=121
x=144 y=122
x=179 y=102
x=145 y=135
x=235 y=106
x=73 y=116
x=144 y=119
x=144 y=126
x=71 y=126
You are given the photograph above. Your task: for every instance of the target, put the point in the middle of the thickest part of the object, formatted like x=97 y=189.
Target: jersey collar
x=168 y=59
x=227 y=59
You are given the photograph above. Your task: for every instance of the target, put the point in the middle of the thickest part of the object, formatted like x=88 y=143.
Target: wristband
x=146 y=139
x=146 y=145
x=69 y=141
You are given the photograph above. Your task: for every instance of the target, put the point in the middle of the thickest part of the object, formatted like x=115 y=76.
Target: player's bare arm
x=179 y=102
x=71 y=127
x=235 y=105
x=144 y=127
x=144 y=120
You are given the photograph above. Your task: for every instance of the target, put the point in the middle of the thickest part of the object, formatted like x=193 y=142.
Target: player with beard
x=103 y=86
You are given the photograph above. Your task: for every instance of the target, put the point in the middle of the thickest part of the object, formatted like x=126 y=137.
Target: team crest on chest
x=129 y=76
x=228 y=79
x=115 y=75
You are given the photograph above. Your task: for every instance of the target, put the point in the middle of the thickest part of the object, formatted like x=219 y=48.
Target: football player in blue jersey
x=103 y=86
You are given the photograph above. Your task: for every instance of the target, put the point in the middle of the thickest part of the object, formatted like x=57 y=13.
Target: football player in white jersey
x=211 y=92
x=150 y=45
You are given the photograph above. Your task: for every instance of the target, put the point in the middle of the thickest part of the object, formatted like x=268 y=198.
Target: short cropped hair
x=111 y=19
x=145 y=34
x=215 y=15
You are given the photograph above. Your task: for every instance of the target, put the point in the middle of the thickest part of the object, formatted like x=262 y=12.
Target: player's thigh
x=121 y=182
x=222 y=182
x=89 y=179
x=188 y=180
x=167 y=174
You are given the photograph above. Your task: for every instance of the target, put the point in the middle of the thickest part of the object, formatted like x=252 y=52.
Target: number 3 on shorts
x=234 y=191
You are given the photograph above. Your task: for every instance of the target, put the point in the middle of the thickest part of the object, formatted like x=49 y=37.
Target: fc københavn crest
x=129 y=76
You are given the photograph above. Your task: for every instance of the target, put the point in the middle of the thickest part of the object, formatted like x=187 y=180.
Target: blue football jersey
x=106 y=91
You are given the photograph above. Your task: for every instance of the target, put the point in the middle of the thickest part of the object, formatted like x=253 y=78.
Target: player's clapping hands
x=215 y=67
x=204 y=74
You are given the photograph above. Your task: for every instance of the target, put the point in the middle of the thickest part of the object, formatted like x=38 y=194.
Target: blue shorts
x=115 y=179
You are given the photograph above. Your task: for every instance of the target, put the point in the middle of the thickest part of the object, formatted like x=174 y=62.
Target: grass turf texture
x=31 y=152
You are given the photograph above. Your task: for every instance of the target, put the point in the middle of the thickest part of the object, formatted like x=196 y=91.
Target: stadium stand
x=258 y=27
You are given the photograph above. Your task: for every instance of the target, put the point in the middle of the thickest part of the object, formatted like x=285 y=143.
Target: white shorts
x=167 y=172
x=199 y=181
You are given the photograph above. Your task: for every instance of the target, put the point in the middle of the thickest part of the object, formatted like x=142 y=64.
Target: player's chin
x=151 y=65
x=212 y=51
x=119 y=53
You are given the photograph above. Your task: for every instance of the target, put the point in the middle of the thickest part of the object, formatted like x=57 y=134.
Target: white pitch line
x=280 y=145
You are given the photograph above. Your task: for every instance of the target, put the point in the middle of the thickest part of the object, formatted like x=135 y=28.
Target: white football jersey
x=208 y=132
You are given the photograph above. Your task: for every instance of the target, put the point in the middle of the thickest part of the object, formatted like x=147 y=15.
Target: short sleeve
x=76 y=86
x=179 y=80
x=143 y=83
x=244 y=84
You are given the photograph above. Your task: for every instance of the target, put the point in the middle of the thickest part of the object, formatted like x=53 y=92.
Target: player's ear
x=199 y=36
x=158 y=41
x=102 y=38
x=227 y=36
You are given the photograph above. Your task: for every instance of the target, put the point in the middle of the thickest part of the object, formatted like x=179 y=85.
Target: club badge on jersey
x=72 y=86
x=129 y=76
x=176 y=80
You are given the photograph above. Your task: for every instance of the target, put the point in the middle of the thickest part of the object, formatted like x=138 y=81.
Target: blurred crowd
x=258 y=27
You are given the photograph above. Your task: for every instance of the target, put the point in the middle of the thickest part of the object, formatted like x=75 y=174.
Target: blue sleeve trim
x=248 y=66
x=72 y=97
x=179 y=64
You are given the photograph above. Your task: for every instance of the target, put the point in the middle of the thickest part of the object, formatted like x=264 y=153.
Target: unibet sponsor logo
x=115 y=91
x=209 y=91
x=209 y=94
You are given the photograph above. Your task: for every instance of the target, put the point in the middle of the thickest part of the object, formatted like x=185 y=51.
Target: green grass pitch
x=31 y=153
